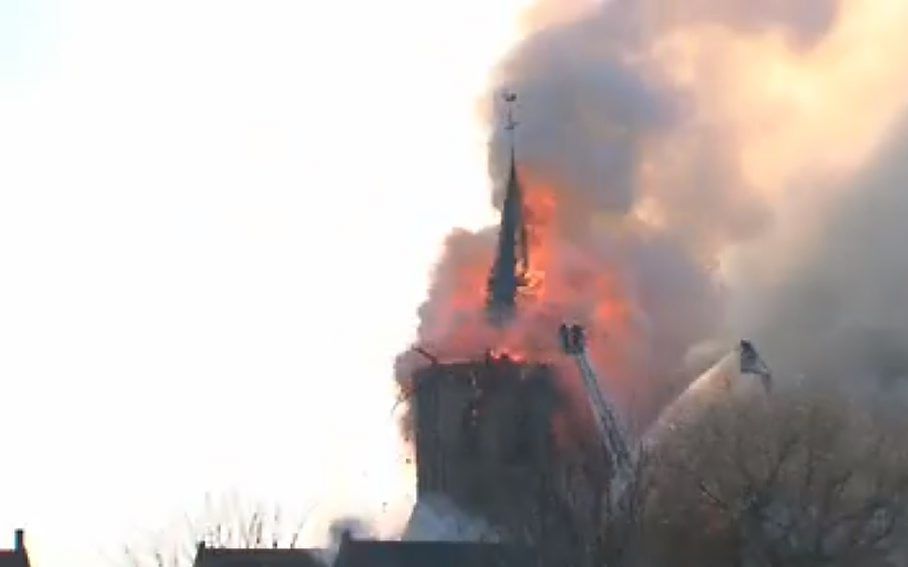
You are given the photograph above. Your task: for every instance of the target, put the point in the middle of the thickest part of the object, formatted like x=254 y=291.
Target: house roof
x=16 y=557
x=365 y=553
x=13 y=558
x=232 y=557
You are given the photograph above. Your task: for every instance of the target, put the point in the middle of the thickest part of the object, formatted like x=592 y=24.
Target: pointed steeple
x=508 y=273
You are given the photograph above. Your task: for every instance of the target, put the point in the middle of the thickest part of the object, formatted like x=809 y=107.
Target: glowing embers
x=505 y=355
x=571 y=276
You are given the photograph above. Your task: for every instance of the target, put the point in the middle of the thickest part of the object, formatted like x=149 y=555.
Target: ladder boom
x=611 y=433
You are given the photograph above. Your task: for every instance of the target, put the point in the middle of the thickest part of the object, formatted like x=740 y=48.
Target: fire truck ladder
x=612 y=435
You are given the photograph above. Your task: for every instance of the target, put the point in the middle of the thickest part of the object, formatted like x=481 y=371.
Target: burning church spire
x=509 y=270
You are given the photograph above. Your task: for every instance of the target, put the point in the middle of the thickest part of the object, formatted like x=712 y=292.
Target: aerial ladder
x=612 y=434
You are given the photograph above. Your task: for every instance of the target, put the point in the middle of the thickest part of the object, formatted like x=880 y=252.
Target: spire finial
x=510 y=99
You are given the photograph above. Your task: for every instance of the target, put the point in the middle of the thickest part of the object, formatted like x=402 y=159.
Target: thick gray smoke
x=647 y=160
x=584 y=121
x=843 y=312
x=647 y=176
x=601 y=120
x=632 y=125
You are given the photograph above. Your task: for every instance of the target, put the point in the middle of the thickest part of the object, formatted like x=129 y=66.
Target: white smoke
x=436 y=518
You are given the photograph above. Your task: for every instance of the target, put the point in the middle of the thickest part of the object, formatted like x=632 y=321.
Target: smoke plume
x=694 y=170
x=436 y=518
x=338 y=531
x=842 y=311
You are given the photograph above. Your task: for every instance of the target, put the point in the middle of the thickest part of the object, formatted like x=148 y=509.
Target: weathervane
x=510 y=99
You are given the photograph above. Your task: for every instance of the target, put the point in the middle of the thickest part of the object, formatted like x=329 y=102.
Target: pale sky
x=217 y=219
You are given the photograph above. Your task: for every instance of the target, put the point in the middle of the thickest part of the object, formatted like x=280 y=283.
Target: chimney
x=20 y=540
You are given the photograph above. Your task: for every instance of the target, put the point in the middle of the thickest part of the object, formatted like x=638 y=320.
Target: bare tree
x=798 y=478
x=229 y=522
x=623 y=525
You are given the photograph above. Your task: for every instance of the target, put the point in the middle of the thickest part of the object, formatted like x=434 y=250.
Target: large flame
x=568 y=280
x=659 y=142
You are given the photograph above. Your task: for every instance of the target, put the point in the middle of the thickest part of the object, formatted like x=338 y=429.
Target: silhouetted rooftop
x=232 y=557
x=17 y=556
x=370 y=553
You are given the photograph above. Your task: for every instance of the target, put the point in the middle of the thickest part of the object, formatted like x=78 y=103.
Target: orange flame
x=567 y=281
